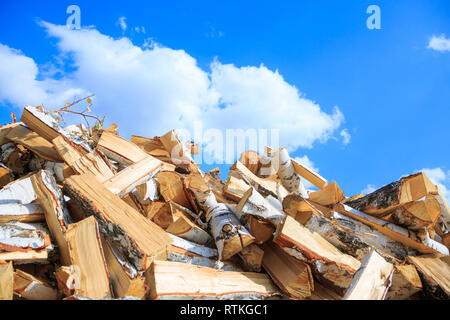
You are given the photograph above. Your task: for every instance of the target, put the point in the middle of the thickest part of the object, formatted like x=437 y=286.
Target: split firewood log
x=173 y=280
x=434 y=271
x=228 y=233
x=29 y=287
x=291 y=275
x=136 y=237
x=47 y=127
x=85 y=251
x=372 y=280
x=330 y=265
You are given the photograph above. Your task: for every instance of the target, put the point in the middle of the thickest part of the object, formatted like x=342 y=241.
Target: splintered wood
x=88 y=214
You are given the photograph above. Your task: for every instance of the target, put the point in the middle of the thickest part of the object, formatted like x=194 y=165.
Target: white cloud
x=345 y=136
x=122 y=23
x=440 y=43
x=151 y=89
x=19 y=84
x=440 y=178
x=368 y=189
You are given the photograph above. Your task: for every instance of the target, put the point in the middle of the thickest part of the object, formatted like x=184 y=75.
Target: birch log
x=228 y=233
x=185 y=251
x=393 y=231
x=372 y=280
x=56 y=214
x=139 y=239
x=255 y=205
x=348 y=235
x=290 y=179
x=172 y=280
x=386 y=199
x=330 y=265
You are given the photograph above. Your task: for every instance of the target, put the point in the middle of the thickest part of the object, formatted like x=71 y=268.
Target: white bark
x=290 y=179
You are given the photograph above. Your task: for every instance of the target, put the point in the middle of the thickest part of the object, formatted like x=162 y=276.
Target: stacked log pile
x=97 y=216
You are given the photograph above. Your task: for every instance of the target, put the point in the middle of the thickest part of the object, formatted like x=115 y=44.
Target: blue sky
x=392 y=90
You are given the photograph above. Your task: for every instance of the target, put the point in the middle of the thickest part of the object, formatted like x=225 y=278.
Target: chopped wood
x=434 y=271
x=125 y=279
x=252 y=256
x=185 y=251
x=174 y=280
x=185 y=228
x=228 y=233
x=251 y=159
x=147 y=192
x=417 y=215
x=24 y=242
x=129 y=178
x=119 y=149
x=94 y=162
x=6 y=280
x=235 y=188
x=19 y=191
x=116 y=209
x=291 y=275
x=328 y=195
x=405 y=283
x=68 y=279
x=139 y=239
x=4 y=130
x=263 y=186
x=305 y=172
x=29 y=287
x=348 y=235
x=330 y=265
x=56 y=214
x=255 y=205
x=179 y=153
x=160 y=213
x=386 y=199
x=86 y=253
x=290 y=179
x=31 y=212
x=66 y=150
x=32 y=141
x=47 y=127
x=372 y=280
x=393 y=231
x=5 y=176
x=171 y=188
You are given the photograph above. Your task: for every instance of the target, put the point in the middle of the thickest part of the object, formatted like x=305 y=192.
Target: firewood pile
x=97 y=216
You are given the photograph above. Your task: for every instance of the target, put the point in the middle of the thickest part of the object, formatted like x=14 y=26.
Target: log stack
x=97 y=216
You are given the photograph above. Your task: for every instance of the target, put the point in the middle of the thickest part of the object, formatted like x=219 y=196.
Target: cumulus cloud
x=368 y=189
x=440 y=43
x=151 y=89
x=122 y=23
x=345 y=136
x=19 y=84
